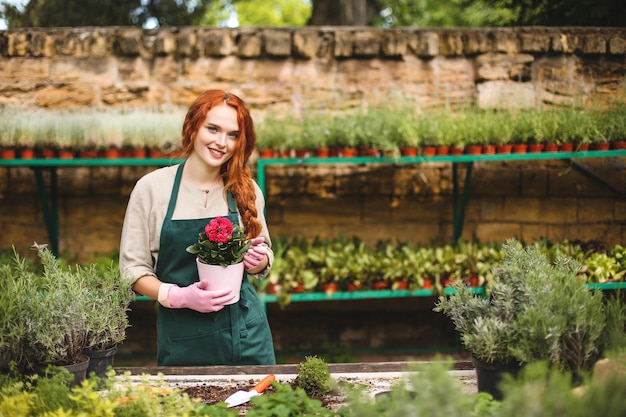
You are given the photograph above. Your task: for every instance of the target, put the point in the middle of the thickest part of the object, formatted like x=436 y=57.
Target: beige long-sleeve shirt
x=146 y=210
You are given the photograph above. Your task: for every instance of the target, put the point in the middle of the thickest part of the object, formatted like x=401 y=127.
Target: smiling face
x=215 y=141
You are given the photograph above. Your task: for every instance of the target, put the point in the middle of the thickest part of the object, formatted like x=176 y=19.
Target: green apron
x=238 y=334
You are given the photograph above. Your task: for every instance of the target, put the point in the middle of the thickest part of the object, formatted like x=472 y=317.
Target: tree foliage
x=385 y=13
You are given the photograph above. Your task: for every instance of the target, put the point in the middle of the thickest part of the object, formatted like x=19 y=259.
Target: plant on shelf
x=528 y=314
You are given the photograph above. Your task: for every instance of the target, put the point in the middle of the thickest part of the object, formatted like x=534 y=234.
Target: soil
x=213 y=394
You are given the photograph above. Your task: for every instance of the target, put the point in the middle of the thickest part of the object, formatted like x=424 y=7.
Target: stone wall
x=289 y=69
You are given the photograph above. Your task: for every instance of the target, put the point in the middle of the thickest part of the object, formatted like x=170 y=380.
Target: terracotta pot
x=330 y=287
x=7 y=153
x=66 y=154
x=322 y=152
x=519 y=148
x=380 y=285
x=505 y=149
x=139 y=153
x=27 y=153
x=111 y=153
x=620 y=144
x=273 y=288
x=400 y=285
x=220 y=277
x=489 y=149
x=442 y=150
x=566 y=147
x=48 y=153
x=429 y=150
x=347 y=152
x=267 y=153
x=535 y=147
x=473 y=149
x=297 y=289
x=88 y=154
x=371 y=152
x=455 y=150
x=600 y=146
x=428 y=284
x=155 y=153
x=582 y=147
x=302 y=153
x=551 y=147
x=353 y=286
x=408 y=151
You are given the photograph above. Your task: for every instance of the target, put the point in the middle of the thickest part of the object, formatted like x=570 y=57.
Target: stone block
x=42 y=45
x=18 y=43
x=134 y=69
x=166 y=69
x=68 y=96
x=216 y=42
x=277 y=42
x=617 y=45
x=343 y=46
x=394 y=43
x=367 y=44
x=505 y=40
x=534 y=183
x=558 y=210
x=130 y=42
x=534 y=42
x=588 y=43
x=307 y=43
x=164 y=42
x=521 y=210
x=506 y=95
x=24 y=71
x=477 y=42
x=596 y=210
x=492 y=66
x=490 y=209
x=451 y=43
x=249 y=43
x=497 y=231
x=534 y=232
x=186 y=42
x=71 y=70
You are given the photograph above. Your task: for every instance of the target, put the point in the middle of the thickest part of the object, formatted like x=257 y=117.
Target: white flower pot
x=221 y=277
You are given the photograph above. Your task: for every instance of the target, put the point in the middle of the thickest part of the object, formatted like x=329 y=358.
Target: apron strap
x=174 y=196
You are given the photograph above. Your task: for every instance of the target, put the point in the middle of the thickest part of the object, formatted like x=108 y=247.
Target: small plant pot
x=100 y=360
x=504 y=149
x=489 y=375
x=519 y=148
x=535 y=147
x=429 y=150
x=219 y=277
x=442 y=150
x=408 y=151
x=489 y=149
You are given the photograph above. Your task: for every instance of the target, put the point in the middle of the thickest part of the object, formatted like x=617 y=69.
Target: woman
x=166 y=211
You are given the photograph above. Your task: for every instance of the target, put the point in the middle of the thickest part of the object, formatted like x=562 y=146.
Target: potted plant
x=56 y=317
x=110 y=296
x=528 y=317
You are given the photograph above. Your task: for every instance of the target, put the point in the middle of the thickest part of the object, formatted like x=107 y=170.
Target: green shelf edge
x=362 y=295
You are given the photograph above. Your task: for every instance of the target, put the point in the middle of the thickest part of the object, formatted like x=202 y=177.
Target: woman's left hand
x=256 y=255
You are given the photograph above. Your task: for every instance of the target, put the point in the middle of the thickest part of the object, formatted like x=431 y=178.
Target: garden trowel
x=241 y=397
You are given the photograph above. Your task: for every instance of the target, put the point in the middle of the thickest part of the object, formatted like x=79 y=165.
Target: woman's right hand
x=197 y=297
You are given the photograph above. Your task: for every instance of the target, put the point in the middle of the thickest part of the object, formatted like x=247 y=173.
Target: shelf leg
x=458 y=208
x=49 y=207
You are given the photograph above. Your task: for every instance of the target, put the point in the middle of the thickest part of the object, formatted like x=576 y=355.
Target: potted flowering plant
x=219 y=254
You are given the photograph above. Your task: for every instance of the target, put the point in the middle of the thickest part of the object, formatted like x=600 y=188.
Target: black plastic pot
x=489 y=375
x=100 y=360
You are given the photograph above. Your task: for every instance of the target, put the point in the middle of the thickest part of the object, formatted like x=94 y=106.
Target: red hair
x=235 y=171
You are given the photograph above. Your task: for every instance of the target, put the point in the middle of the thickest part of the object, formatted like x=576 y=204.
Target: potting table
x=49 y=199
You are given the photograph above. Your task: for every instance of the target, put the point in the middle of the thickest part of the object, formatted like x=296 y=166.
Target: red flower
x=219 y=230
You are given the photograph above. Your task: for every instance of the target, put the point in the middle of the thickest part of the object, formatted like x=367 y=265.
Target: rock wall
x=291 y=69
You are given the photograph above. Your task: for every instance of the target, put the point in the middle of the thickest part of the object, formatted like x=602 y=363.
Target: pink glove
x=255 y=255
x=196 y=297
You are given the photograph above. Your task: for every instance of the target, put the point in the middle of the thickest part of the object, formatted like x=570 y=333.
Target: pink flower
x=219 y=230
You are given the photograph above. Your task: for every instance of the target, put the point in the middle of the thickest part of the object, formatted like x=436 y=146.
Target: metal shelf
x=49 y=198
